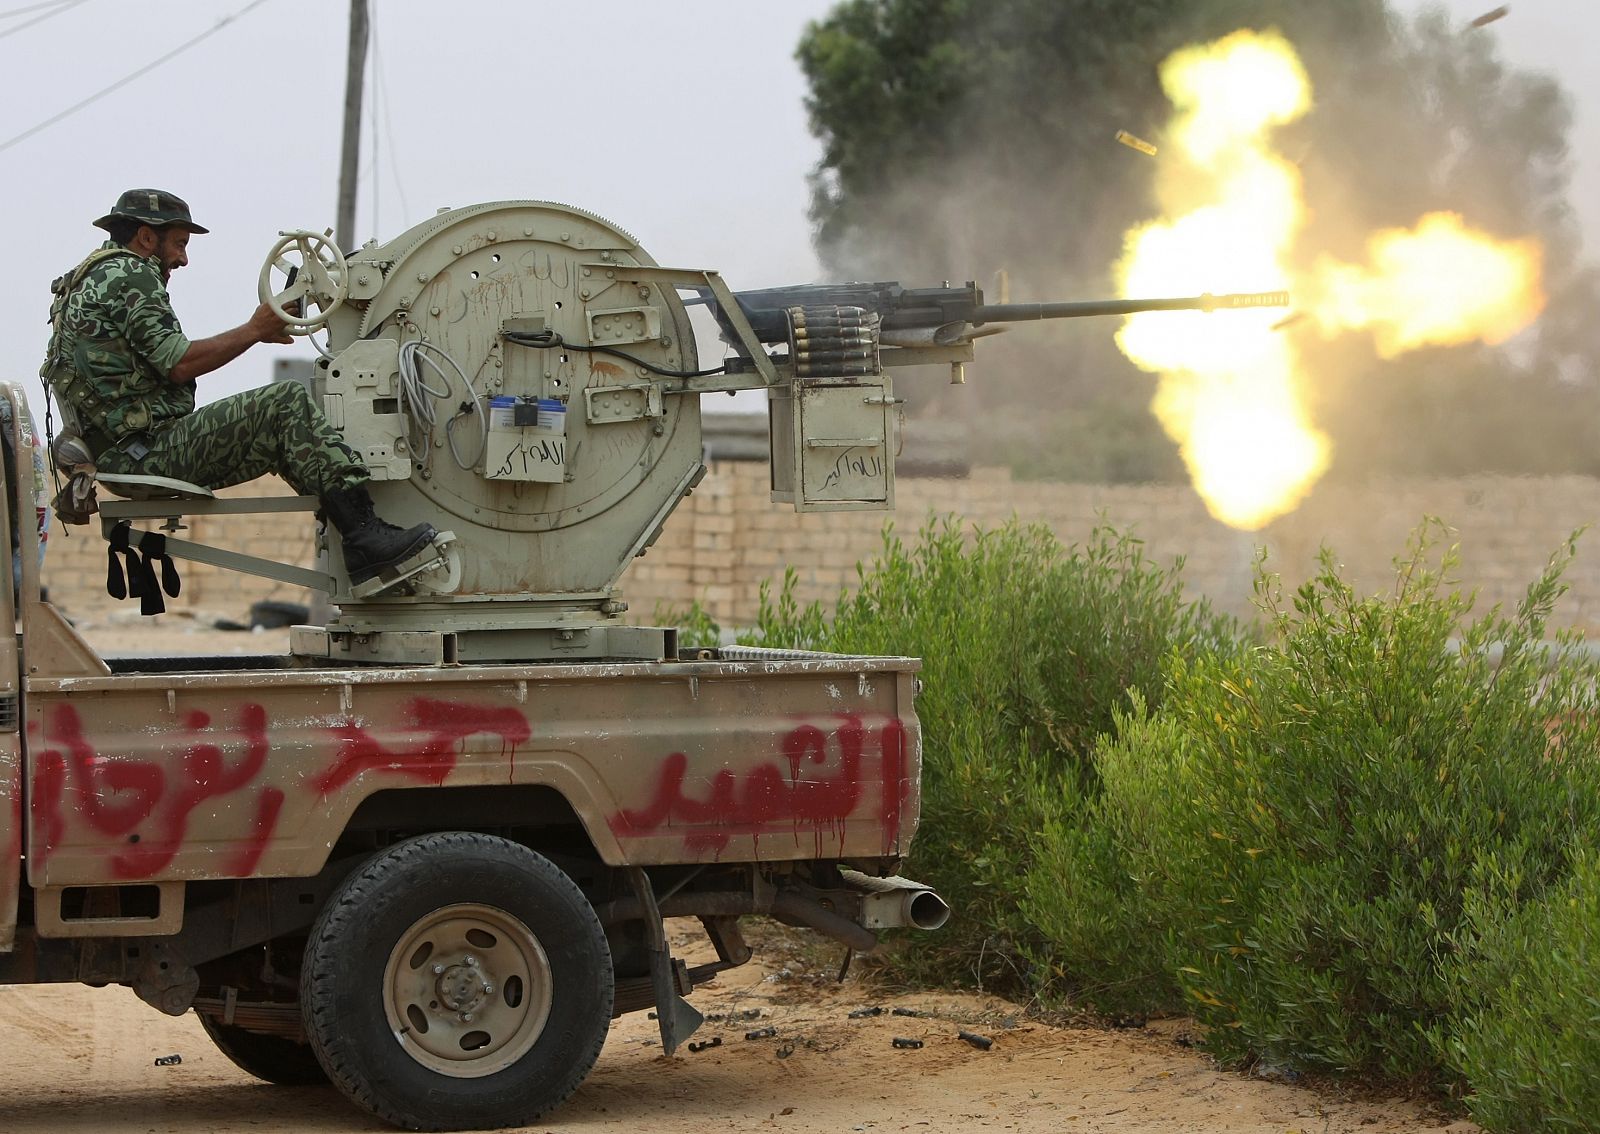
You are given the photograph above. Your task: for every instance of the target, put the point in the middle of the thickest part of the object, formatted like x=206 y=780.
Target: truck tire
x=272 y=1058
x=457 y=981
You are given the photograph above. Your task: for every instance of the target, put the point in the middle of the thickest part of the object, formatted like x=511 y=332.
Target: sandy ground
x=83 y=1060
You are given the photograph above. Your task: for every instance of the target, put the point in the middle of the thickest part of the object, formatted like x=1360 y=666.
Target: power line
x=126 y=79
x=26 y=8
x=56 y=8
x=377 y=61
x=382 y=82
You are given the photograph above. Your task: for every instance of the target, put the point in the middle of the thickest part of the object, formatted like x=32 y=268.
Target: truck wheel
x=273 y=1058
x=457 y=981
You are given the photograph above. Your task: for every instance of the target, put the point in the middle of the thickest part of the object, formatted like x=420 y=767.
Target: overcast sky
x=681 y=122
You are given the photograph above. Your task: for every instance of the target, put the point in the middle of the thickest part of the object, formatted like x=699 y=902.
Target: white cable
x=417 y=396
x=324 y=351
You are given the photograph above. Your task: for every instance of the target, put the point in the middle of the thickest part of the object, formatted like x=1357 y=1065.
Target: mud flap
x=678 y=1018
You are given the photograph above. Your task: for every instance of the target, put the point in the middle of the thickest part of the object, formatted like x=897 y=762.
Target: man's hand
x=267 y=327
x=205 y=355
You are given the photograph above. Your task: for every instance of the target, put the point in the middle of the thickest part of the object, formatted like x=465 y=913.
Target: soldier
x=120 y=364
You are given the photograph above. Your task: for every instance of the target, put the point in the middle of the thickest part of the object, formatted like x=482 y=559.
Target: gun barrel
x=1023 y=312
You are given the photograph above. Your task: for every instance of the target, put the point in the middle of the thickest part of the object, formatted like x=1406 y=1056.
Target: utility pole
x=344 y=232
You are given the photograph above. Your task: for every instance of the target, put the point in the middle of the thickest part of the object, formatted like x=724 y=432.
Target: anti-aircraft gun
x=525 y=375
x=469 y=866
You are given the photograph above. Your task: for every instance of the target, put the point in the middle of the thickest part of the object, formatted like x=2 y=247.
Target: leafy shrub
x=695 y=625
x=1302 y=826
x=1029 y=650
x=1102 y=925
x=1528 y=1040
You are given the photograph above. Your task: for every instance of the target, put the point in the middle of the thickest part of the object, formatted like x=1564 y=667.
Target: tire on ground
x=457 y=981
x=276 y=1059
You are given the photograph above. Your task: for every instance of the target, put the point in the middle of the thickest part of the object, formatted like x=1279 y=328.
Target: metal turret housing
x=598 y=487
x=554 y=465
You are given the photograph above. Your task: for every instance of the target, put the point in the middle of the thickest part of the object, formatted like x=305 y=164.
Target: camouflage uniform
x=115 y=342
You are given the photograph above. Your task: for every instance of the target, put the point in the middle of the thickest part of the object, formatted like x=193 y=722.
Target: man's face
x=172 y=249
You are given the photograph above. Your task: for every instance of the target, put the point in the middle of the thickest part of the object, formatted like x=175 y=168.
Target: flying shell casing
x=1134 y=142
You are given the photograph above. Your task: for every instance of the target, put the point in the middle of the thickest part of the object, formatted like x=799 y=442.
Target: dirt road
x=82 y=1061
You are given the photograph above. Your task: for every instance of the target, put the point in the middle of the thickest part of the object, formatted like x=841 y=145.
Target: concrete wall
x=728 y=538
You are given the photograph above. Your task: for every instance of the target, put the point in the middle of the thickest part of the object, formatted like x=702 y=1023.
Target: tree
x=966 y=137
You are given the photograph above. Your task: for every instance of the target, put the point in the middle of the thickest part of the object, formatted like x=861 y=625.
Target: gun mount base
x=557 y=643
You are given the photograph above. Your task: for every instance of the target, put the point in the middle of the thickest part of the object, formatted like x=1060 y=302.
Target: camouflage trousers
x=274 y=429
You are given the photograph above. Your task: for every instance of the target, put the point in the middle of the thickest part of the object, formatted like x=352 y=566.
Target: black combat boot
x=370 y=544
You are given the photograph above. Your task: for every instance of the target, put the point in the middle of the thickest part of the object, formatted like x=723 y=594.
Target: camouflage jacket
x=114 y=342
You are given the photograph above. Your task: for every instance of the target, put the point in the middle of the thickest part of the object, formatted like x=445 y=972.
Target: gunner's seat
x=77 y=501
x=131 y=486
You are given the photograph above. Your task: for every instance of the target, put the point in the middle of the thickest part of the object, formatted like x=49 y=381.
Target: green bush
x=1102 y=924
x=695 y=625
x=1366 y=846
x=1029 y=650
x=1300 y=831
x=1528 y=1039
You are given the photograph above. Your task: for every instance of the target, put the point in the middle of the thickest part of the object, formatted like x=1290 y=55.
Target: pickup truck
x=432 y=885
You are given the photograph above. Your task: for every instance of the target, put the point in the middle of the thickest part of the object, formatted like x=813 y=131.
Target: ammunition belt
x=833 y=342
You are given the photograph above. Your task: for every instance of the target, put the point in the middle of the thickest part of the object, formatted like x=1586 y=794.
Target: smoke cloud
x=1018 y=182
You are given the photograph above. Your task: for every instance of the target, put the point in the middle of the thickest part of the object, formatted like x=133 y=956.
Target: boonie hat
x=153 y=207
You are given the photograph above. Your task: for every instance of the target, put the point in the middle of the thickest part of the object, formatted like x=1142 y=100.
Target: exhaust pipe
x=895 y=902
x=926 y=910
x=849 y=916
x=795 y=909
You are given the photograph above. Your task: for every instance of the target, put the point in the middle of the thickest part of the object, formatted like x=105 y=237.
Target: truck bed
x=173 y=769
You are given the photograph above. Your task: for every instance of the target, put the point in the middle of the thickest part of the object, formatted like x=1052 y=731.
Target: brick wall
x=728 y=538
x=75 y=563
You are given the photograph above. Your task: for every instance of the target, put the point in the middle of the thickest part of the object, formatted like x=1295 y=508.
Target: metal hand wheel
x=315 y=275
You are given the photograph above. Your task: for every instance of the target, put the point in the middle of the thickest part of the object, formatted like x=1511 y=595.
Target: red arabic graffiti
x=202 y=774
x=764 y=798
x=149 y=802
x=115 y=797
x=447 y=724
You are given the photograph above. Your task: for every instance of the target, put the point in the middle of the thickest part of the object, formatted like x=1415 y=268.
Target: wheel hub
x=464 y=986
x=467 y=990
